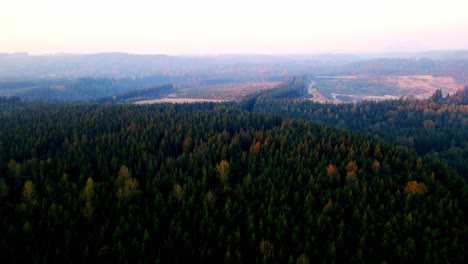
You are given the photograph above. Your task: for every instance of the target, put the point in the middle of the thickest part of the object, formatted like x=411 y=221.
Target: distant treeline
x=80 y=89
x=9 y=99
x=140 y=94
x=456 y=68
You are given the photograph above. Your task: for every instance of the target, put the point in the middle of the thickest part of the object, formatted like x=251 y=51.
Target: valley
x=336 y=78
x=234 y=159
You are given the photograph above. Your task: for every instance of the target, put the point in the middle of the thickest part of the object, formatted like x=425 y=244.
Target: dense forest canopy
x=213 y=182
x=436 y=126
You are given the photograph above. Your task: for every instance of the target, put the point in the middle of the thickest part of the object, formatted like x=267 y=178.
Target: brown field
x=227 y=92
x=175 y=100
x=423 y=86
x=370 y=87
x=344 y=77
x=215 y=93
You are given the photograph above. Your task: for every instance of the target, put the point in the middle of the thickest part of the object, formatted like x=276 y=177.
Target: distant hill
x=68 y=77
x=101 y=64
x=85 y=88
x=414 y=66
x=24 y=66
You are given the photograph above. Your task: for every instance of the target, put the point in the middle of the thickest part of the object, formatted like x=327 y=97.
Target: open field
x=325 y=89
x=227 y=92
x=176 y=100
x=421 y=86
x=338 y=98
x=214 y=93
x=370 y=87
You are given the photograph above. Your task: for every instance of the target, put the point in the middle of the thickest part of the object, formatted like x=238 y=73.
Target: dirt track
x=317 y=96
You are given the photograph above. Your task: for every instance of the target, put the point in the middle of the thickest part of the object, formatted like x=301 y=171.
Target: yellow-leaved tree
x=223 y=172
x=125 y=184
x=29 y=193
x=89 y=200
x=178 y=191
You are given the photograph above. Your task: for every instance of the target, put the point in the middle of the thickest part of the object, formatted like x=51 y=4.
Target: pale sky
x=237 y=26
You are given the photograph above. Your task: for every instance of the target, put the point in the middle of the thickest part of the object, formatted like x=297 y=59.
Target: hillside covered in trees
x=213 y=182
x=434 y=127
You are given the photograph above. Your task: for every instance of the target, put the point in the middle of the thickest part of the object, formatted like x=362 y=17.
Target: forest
x=436 y=126
x=266 y=180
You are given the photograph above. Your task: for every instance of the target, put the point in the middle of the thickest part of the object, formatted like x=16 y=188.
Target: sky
x=200 y=27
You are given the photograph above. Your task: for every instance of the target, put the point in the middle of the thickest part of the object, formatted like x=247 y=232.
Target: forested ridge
x=212 y=182
x=293 y=87
x=139 y=94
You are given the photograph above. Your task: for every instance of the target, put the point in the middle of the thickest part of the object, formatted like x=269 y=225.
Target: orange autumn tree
x=413 y=187
x=351 y=170
x=332 y=172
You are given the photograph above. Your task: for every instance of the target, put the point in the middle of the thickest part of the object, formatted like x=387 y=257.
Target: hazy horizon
x=208 y=27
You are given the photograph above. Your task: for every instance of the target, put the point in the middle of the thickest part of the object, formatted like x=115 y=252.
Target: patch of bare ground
x=228 y=92
x=214 y=93
x=319 y=97
x=357 y=98
x=174 y=100
x=421 y=86
x=343 y=77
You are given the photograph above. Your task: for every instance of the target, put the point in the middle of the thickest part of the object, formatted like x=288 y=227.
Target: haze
x=213 y=27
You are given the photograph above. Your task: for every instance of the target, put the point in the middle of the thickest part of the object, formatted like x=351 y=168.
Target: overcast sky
x=236 y=26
